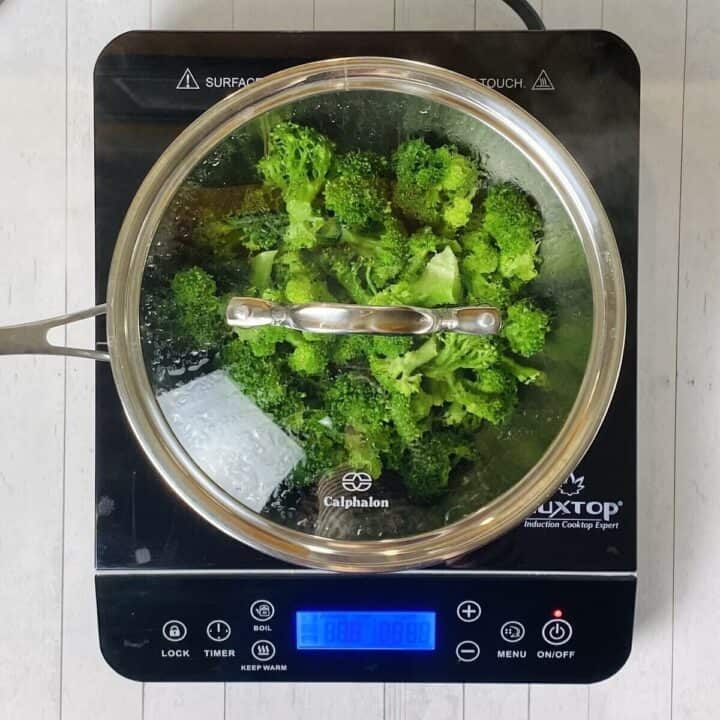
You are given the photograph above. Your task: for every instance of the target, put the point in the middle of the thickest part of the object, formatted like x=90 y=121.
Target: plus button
x=469 y=611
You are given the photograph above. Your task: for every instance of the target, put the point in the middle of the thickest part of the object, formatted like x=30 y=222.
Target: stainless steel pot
x=581 y=271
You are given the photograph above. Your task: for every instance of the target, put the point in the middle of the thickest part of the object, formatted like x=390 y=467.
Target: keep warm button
x=557 y=632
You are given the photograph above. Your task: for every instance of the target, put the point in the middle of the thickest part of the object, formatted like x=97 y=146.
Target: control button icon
x=557 y=632
x=174 y=630
x=512 y=631
x=218 y=630
x=263 y=650
x=262 y=610
x=469 y=611
x=467 y=651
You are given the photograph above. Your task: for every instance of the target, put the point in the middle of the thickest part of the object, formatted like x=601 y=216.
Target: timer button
x=469 y=611
x=218 y=630
x=557 y=632
x=467 y=651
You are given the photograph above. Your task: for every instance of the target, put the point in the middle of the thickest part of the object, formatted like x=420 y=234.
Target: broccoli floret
x=470 y=352
x=258 y=377
x=434 y=186
x=255 y=231
x=362 y=453
x=398 y=374
x=357 y=404
x=357 y=189
x=438 y=284
x=310 y=354
x=352 y=399
x=429 y=462
x=523 y=373
x=485 y=289
x=357 y=347
x=402 y=413
x=200 y=311
x=515 y=224
x=525 y=328
x=362 y=263
x=322 y=444
x=495 y=407
x=300 y=279
x=309 y=358
x=482 y=253
x=297 y=162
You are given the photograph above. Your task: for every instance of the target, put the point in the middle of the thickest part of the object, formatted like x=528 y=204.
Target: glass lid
x=366 y=314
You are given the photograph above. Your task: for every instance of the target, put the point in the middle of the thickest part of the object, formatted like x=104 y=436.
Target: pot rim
x=548 y=157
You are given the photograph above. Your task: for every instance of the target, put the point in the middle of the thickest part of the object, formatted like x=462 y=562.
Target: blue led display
x=365 y=630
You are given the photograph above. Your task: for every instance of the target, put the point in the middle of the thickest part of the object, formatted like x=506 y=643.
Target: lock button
x=174 y=630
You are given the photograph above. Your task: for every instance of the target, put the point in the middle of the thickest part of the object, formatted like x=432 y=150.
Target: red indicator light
x=557 y=613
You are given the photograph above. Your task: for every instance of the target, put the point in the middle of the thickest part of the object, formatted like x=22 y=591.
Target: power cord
x=527 y=13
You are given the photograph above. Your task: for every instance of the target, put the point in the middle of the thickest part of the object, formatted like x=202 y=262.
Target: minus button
x=467 y=651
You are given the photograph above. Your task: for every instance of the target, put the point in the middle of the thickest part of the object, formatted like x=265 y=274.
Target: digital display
x=365 y=630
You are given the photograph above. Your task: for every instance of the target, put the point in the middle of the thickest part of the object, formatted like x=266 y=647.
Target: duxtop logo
x=567 y=512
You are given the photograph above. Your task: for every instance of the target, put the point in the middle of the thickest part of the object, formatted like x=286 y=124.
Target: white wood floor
x=50 y=666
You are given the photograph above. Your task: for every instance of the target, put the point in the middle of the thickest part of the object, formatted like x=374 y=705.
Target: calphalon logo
x=356 y=481
x=564 y=511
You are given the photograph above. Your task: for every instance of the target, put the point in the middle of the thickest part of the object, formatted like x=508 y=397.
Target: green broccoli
x=514 y=223
x=200 y=311
x=297 y=162
x=356 y=191
x=399 y=374
x=470 y=352
x=429 y=462
x=525 y=328
x=257 y=231
x=438 y=284
x=360 y=228
x=435 y=186
x=260 y=378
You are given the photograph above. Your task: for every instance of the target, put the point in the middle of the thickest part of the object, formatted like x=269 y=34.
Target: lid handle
x=341 y=319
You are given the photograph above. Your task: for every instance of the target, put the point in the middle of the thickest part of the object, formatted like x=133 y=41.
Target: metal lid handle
x=341 y=319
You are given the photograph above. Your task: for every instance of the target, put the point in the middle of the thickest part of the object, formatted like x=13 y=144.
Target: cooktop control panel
x=420 y=626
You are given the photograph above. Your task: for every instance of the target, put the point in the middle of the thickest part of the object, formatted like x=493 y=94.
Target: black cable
x=527 y=14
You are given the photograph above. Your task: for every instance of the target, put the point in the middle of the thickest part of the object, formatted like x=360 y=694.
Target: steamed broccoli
x=514 y=223
x=413 y=229
x=435 y=186
x=256 y=231
x=200 y=311
x=525 y=328
x=356 y=191
x=297 y=162
x=438 y=284
x=430 y=461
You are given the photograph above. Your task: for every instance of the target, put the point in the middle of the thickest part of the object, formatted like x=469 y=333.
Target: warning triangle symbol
x=187 y=81
x=543 y=82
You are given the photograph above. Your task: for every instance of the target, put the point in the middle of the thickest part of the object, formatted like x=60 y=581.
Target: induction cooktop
x=551 y=601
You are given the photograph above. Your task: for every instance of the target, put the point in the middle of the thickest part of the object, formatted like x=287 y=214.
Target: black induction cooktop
x=551 y=601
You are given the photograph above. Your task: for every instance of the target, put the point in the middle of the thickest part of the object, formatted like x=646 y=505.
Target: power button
x=557 y=632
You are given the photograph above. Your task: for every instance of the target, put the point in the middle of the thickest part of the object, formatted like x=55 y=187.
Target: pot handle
x=31 y=338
